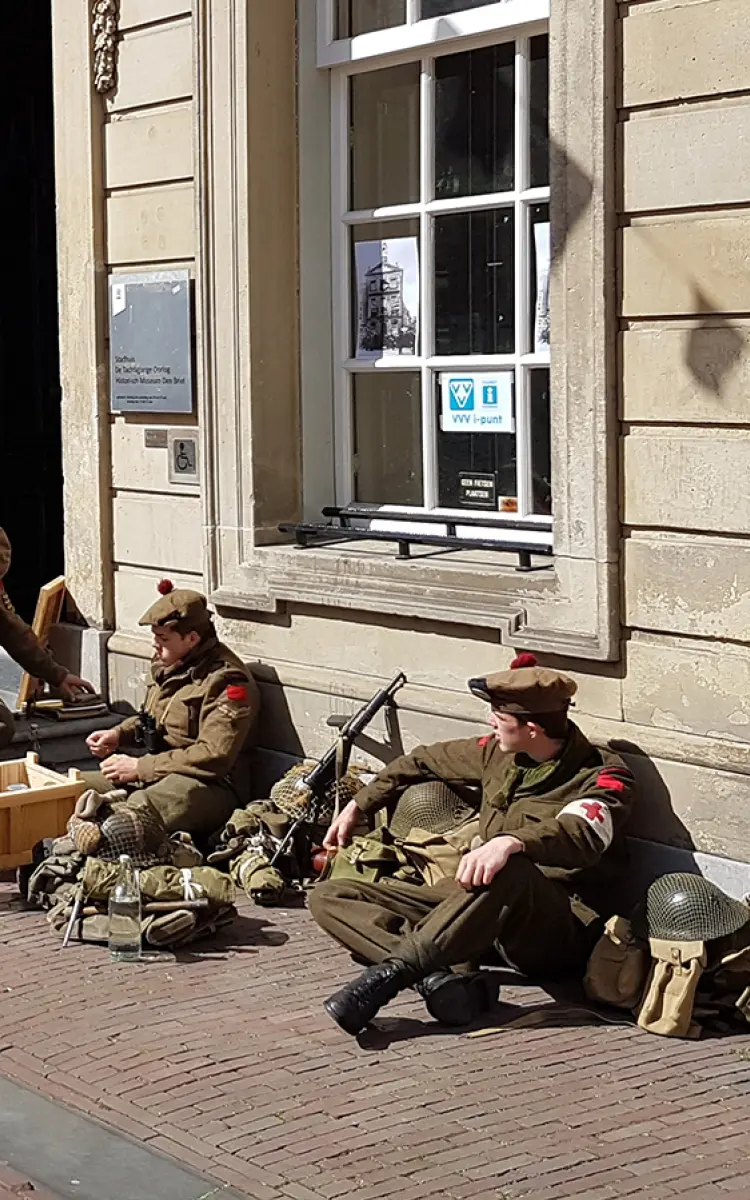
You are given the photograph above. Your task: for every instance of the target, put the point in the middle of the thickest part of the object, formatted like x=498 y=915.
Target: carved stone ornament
x=104 y=28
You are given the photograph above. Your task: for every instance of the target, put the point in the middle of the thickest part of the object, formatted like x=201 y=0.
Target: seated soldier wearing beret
x=550 y=846
x=200 y=709
x=25 y=648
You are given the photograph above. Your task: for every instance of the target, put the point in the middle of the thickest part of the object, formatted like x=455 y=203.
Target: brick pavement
x=224 y=1059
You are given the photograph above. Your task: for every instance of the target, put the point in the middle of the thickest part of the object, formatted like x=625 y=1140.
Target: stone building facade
x=223 y=149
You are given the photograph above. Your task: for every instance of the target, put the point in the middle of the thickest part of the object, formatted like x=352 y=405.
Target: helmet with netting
x=432 y=806
x=291 y=796
x=687 y=908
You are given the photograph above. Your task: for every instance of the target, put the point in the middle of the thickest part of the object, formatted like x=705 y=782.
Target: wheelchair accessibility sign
x=477 y=403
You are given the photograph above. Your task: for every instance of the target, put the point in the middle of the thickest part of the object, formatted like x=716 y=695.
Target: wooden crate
x=41 y=812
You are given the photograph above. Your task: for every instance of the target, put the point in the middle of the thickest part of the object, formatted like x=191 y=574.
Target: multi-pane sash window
x=441 y=261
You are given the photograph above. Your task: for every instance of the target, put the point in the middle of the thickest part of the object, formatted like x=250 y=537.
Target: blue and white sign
x=480 y=402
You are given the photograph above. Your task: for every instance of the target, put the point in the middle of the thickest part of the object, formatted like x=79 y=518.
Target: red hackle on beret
x=164 y=587
x=523 y=660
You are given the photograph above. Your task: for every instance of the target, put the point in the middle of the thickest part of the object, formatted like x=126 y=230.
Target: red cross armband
x=595 y=814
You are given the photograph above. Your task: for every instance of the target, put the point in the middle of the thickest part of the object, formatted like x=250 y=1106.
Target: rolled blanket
x=161 y=883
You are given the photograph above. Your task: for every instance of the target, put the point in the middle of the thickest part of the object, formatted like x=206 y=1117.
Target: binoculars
x=148 y=733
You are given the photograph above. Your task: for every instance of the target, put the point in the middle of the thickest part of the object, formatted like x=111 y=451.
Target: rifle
x=336 y=760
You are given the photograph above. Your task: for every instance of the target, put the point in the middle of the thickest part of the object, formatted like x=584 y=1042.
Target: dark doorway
x=31 y=508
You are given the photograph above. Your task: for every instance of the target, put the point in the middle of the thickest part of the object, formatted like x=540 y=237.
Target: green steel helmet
x=689 y=908
x=432 y=806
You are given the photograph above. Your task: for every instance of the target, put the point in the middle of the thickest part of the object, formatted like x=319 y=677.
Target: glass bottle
x=125 y=914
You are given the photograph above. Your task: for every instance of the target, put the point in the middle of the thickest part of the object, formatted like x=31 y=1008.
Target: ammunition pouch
x=669 y=996
x=436 y=856
x=367 y=859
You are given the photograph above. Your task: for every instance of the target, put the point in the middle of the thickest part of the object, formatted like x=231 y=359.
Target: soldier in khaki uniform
x=550 y=845
x=25 y=648
x=201 y=706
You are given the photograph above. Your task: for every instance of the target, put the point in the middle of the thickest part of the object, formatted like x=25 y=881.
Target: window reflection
x=474 y=283
x=387 y=438
x=474 y=122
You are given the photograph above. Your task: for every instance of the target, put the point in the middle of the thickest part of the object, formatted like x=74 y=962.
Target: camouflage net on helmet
x=291 y=796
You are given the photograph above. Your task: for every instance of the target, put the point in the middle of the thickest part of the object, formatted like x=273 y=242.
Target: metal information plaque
x=150 y=342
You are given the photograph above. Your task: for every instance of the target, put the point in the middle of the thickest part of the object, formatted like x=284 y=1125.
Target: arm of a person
x=25 y=648
x=127 y=730
x=224 y=726
x=460 y=761
x=584 y=828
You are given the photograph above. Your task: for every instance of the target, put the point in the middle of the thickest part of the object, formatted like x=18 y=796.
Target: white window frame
x=427 y=365
x=416 y=34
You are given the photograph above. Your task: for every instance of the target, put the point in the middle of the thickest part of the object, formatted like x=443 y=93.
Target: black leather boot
x=457 y=999
x=354 y=1006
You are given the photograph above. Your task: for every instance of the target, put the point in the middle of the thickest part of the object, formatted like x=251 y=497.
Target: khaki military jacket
x=18 y=639
x=207 y=733
x=570 y=813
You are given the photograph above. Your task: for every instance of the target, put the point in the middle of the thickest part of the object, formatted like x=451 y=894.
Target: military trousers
x=185 y=804
x=522 y=912
x=7 y=726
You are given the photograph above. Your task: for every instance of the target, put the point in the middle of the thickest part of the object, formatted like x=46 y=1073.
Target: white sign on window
x=477 y=402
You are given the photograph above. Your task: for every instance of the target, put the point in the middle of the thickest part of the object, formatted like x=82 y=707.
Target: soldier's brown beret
x=526 y=689
x=180 y=609
x=4 y=553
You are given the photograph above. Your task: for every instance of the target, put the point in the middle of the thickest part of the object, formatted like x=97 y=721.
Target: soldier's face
x=170 y=646
x=512 y=735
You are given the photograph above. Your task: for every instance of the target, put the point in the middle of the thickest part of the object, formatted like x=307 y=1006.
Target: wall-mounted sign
x=477 y=402
x=477 y=490
x=150 y=342
x=183 y=456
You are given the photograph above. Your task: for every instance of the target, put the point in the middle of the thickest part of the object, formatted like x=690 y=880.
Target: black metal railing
x=327 y=533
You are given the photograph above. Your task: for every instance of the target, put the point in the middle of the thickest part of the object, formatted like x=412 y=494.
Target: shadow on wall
x=713 y=348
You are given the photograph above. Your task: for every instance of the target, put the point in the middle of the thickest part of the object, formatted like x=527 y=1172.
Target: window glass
x=440 y=8
x=385 y=137
x=541 y=469
x=364 y=16
x=385 y=289
x=474 y=283
x=474 y=122
x=476 y=454
x=539 y=115
x=387 y=421
x=539 y=268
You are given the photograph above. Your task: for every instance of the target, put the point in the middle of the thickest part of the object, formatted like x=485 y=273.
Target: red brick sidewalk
x=226 y=1060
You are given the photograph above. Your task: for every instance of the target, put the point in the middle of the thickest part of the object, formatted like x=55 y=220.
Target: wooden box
x=42 y=811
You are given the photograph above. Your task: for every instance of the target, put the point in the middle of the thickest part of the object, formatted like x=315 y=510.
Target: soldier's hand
x=120 y=768
x=72 y=684
x=341 y=830
x=479 y=867
x=103 y=742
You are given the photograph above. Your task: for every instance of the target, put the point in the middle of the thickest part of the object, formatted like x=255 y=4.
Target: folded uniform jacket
x=51 y=874
x=161 y=883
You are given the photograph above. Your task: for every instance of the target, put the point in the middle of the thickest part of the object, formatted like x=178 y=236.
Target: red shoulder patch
x=605 y=780
x=237 y=692
x=483 y=741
